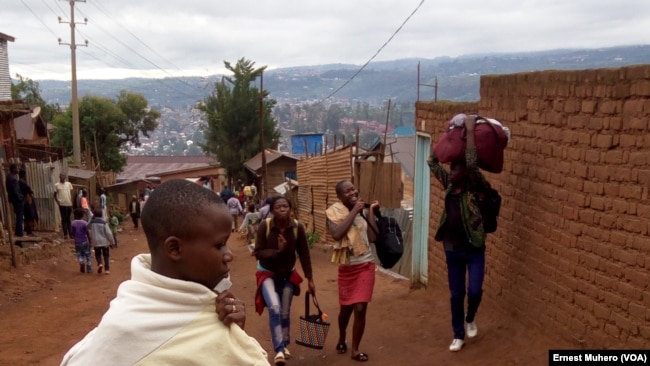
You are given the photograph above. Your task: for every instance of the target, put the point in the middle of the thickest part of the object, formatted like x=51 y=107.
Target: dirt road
x=48 y=306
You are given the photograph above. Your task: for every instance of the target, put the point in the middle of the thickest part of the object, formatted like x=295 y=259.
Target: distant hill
x=458 y=78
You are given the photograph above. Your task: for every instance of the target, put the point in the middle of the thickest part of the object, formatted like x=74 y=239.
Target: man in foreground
x=165 y=315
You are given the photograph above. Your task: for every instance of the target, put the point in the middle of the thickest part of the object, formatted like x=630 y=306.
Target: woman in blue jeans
x=461 y=232
x=276 y=244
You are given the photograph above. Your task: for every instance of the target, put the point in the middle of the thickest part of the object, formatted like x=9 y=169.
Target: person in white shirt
x=63 y=198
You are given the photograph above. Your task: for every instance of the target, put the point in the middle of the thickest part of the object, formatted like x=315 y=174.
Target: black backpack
x=489 y=202
x=389 y=243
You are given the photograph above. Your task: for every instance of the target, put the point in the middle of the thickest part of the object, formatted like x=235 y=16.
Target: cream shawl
x=157 y=320
x=355 y=239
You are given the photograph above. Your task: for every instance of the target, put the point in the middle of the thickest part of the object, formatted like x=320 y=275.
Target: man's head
x=62 y=177
x=98 y=212
x=13 y=169
x=187 y=227
x=457 y=173
x=347 y=193
x=79 y=213
x=22 y=174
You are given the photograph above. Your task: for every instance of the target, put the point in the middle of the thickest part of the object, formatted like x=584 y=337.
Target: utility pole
x=262 y=110
x=74 y=103
x=434 y=86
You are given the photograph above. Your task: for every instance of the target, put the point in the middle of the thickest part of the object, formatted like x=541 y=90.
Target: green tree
x=232 y=126
x=332 y=120
x=29 y=92
x=140 y=119
x=105 y=128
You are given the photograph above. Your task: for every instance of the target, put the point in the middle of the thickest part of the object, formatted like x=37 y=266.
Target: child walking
x=101 y=237
x=79 y=231
x=114 y=224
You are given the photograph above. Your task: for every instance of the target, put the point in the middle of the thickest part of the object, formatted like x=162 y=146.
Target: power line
x=100 y=7
x=60 y=8
x=376 y=53
x=108 y=51
x=110 y=34
x=49 y=7
x=39 y=19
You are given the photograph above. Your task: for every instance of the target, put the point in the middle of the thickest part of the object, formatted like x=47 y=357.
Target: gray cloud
x=196 y=36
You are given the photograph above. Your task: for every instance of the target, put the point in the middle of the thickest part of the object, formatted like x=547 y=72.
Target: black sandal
x=341 y=348
x=361 y=357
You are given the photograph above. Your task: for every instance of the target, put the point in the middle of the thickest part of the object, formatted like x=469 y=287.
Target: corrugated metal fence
x=41 y=177
x=404 y=218
x=317 y=177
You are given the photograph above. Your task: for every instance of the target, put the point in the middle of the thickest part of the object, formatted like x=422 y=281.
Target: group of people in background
x=91 y=226
x=189 y=255
x=21 y=197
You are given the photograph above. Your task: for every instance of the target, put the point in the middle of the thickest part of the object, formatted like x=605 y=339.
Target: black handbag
x=389 y=243
x=313 y=329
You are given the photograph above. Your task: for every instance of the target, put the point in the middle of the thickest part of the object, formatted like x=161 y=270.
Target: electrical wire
x=110 y=34
x=376 y=53
x=39 y=19
x=49 y=7
x=101 y=8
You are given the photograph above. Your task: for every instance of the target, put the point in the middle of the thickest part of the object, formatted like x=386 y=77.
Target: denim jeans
x=277 y=293
x=458 y=263
x=83 y=255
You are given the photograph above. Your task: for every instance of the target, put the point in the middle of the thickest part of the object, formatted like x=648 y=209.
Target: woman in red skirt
x=356 y=263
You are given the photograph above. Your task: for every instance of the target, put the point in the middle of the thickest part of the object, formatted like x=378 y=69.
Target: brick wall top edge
x=633 y=71
x=446 y=106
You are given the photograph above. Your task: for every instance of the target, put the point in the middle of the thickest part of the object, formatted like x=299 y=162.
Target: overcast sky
x=158 y=38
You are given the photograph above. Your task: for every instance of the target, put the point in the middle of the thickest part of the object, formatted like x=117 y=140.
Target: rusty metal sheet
x=41 y=178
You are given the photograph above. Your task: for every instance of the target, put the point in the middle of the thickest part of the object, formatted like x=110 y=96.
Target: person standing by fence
x=63 y=198
x=30 y=212
x=16 y=198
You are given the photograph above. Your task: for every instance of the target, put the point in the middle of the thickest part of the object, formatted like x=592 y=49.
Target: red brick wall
x=572 y=253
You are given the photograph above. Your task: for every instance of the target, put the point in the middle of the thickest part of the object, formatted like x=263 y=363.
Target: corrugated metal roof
x=130 y=181
x=141 y=167
x=404 y=152
x=24 y=126
x=80 y=173
x=255 y=163
x=7 y=37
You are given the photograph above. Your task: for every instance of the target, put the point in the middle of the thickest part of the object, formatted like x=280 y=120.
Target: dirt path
x=49 y=306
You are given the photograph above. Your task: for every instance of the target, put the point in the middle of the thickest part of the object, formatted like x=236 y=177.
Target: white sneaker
x=472 y=330
x=456 y=345
x=279 y=359
x=287 y=354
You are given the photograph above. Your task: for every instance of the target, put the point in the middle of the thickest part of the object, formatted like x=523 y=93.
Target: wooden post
x=262 y=143
x=10 y=219
x=306 y=148
x=379 y=160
